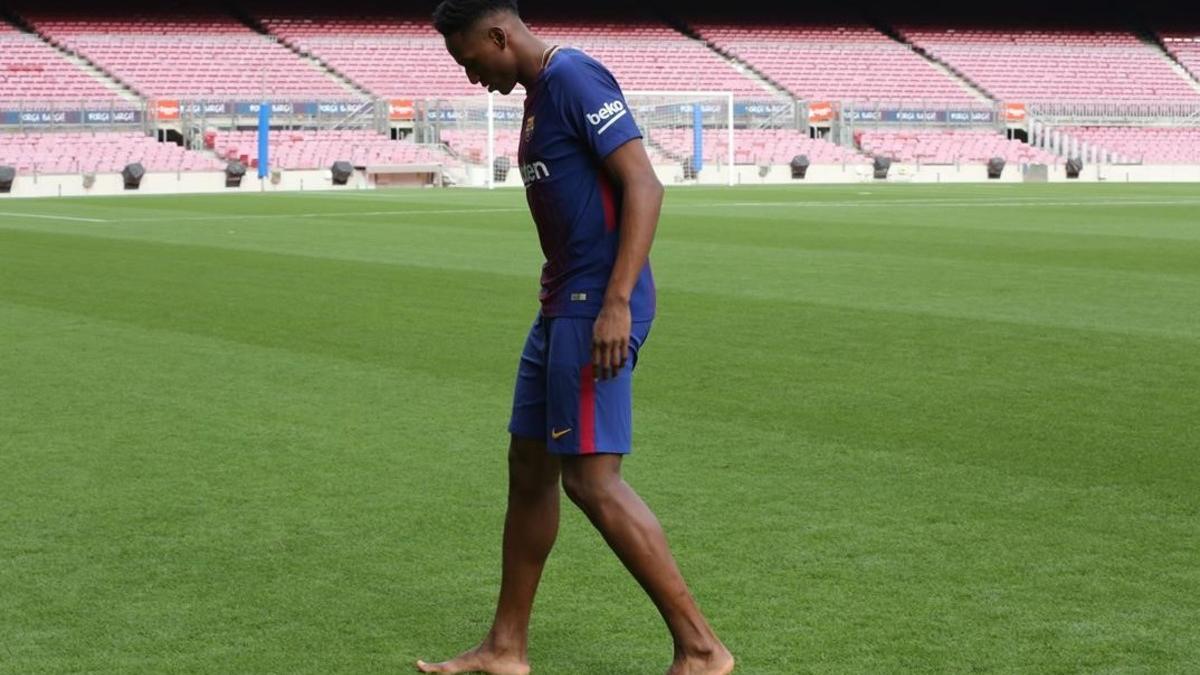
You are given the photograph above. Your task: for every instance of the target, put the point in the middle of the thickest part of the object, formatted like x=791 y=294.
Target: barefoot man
x=595 y=200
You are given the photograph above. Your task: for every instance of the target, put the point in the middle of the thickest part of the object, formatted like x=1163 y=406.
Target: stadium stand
x=654 y=57
x=950 y=147
x=31 y=70
x=401 y=57
x=756 y=146
x=386 y=56
x=844 y=62
x=319 y=150
x=1155 y=145
x=193 y=50
x=78 y=152
x=471 y=144
x=1185 y=47
x=1039 y=65
x=210 y=55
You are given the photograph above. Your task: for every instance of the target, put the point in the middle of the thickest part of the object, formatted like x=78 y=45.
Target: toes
x=459 y=665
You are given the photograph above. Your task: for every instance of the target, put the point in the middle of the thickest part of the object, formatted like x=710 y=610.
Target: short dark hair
x=453 y=16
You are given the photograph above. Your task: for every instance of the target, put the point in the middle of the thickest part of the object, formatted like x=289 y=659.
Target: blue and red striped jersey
x=575 y=116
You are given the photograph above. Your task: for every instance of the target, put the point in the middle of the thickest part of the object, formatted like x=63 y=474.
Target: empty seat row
x=1059 y=66
x=850 y=62
x=32 y=71
x=1153 y=145
x=404 y=58
x=950 y=147
x=187 y=55
x=319 y=149
x=57 y=153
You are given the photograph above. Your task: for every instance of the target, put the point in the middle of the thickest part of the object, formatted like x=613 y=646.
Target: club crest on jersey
x=611 y=112
x=529 y=128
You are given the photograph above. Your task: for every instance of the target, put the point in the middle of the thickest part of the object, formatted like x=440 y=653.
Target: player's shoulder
x=571 y=65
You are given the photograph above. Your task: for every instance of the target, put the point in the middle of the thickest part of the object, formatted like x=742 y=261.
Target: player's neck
x=529 y=56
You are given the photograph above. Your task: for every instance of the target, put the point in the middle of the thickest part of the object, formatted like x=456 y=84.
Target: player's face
x=485 y=55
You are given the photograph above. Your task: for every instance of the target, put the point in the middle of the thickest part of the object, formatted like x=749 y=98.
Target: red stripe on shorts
x=587 y=411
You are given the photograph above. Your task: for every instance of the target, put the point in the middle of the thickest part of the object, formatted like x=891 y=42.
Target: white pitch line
x=926 y=203
x=331 y=214
x=46 y=217
x=795 y=204
x=811 y=204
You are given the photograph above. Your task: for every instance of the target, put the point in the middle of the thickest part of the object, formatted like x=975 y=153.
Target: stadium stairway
x=962 y=79
x=664 y=151
x=119 y=88
x=742 y=66
x=1155 y=41
x=350 y=85
x=334 y=74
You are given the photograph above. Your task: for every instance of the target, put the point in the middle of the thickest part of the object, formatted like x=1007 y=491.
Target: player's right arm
x=594 y=107
x=629 y=166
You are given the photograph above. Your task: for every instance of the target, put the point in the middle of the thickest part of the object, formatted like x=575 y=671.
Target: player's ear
x=498 y=37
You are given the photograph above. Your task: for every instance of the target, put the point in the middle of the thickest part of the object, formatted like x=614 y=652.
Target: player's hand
x=610 y=339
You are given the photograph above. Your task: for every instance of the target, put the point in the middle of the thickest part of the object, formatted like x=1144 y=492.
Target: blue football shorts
x=558 y=399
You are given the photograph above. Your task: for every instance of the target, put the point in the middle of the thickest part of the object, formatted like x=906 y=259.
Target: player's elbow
x=652 y=187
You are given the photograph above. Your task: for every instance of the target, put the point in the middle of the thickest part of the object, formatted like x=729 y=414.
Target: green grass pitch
x=887 y=429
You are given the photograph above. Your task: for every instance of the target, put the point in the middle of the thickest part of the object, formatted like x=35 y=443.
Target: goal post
x=689 y=135
x=690 y=129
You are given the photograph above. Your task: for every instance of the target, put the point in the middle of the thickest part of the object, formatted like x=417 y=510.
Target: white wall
x=71 y=185
x=973 y=173
x=1137 y=174
x=214 y=181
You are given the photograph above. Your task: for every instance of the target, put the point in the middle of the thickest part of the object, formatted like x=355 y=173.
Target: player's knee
x=531 y=469
x=587 y=489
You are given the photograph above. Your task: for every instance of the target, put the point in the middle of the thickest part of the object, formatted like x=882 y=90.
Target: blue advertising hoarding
x=920 y=116
x=73 y=117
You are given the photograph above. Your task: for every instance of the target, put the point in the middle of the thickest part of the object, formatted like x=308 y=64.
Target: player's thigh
x=530 y=466
x=528 y=418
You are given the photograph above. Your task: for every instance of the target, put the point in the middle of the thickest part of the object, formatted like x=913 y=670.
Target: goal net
x=688 y=135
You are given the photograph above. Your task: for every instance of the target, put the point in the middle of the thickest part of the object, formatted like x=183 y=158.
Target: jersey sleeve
x=595 y=109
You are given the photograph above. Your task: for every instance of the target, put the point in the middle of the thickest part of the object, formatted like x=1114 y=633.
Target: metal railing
x=1111 y=113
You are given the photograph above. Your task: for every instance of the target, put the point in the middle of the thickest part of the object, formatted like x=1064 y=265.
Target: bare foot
x=479 y=660
x=718 y=662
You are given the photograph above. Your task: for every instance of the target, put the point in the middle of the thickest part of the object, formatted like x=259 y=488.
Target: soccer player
x=595 y=200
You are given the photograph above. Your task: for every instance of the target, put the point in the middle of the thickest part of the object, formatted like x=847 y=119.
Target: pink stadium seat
x=849 y=63
x=320 y=149
x=754 y=146
x=1154 y=145
x=209 y=55
x=79 y=152
x=1185 y=47
x=406 y=57
x=32 y=71
x=1059 y=66
x=471 y=144
x=950 y=147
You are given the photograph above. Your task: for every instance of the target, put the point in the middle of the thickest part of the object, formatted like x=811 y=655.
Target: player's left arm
x=630 y=167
